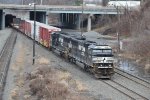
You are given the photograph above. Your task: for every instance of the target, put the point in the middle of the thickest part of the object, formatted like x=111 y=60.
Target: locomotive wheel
x=110 y=77
x=97 y=76
x=74 y=61
x=69 y=59
x=85 y=67
x=61 y=54
x=50 y=49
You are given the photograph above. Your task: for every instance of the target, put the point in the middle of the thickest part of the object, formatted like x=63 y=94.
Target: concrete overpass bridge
x=68 y=14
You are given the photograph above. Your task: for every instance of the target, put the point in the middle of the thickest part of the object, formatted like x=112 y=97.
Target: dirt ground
x=40 y=81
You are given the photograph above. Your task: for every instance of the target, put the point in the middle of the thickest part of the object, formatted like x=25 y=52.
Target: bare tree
x=139 y=24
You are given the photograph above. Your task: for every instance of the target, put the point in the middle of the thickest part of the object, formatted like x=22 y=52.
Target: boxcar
x=43 y=32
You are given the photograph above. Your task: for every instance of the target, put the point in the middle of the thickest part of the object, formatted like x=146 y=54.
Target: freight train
x=97 y=59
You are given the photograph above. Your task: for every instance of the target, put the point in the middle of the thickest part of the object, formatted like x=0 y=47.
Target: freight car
x=43 y=31
x=97 y=59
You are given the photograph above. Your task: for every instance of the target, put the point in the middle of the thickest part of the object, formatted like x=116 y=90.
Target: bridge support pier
x=89 y=23
x=78 y=21
x=40 y=16
x=3 y=20
x=46 y=18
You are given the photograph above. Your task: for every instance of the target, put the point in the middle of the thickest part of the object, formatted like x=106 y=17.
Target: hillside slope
x=137 y=44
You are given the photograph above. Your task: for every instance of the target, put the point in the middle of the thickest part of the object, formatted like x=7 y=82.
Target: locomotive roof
x=82 y=40
x=78 y=38
x=72 y=36
x=51 y=28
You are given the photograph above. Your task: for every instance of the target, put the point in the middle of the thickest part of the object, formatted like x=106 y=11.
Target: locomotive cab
x=102 y=60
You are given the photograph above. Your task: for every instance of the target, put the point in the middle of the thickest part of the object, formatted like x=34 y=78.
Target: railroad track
x=134 y=78
x=5 y=57
x=124 y=90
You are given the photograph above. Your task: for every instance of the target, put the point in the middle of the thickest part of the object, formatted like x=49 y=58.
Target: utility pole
x=82 y=19
x=34 y=33
x=22 y=2
x=118 y=30
x=41 y=2
x=34 y=5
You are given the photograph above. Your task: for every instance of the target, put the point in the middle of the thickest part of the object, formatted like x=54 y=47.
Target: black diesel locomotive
x=97 y=59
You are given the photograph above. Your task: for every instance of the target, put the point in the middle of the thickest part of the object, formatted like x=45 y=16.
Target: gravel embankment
x=4 y=34
x=21 y=64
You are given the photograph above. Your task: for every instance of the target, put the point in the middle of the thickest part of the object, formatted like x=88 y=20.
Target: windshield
x=102 y=52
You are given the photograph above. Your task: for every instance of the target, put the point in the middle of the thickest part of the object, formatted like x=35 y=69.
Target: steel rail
x=127 y=89
x=5 y=57
x=144 y=98
x=118 y=90
x=133 y=76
